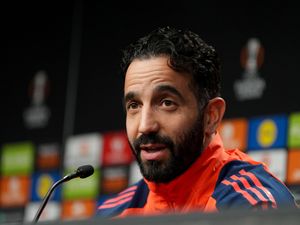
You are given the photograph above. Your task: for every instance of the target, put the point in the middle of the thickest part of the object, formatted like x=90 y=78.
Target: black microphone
x=82 y=172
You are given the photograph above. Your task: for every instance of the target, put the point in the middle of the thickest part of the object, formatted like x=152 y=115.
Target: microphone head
x=85 y=171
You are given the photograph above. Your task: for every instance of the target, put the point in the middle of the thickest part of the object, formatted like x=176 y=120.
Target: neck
x=207 y=139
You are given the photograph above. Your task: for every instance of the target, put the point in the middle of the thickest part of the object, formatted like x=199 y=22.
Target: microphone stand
x=40 y=210
x=82 y=172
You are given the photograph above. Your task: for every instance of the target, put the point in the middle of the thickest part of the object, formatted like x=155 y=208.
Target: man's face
x=164 y=126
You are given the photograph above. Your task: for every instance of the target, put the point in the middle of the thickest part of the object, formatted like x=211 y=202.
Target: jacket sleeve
x=134 y=196
x=242 y=185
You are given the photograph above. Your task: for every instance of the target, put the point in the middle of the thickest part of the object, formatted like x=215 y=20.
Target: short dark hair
x=187 y=53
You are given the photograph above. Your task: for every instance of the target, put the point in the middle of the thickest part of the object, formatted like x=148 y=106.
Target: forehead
x=150 y=72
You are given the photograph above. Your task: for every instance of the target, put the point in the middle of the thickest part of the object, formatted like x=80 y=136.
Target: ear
x=214 y=112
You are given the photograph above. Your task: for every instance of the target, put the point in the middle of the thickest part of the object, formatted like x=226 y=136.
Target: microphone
x=82 y=172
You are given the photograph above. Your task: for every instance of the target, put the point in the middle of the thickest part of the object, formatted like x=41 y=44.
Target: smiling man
x=173 y=108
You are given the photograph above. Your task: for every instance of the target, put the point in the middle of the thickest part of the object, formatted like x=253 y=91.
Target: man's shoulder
x=245 y=184
x=134 y=196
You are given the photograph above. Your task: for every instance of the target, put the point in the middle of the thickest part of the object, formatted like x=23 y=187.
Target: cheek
x=174 y=128
x=130 y=129
x=182 y=122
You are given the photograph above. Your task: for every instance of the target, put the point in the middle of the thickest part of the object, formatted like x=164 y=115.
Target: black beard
x=183 y=153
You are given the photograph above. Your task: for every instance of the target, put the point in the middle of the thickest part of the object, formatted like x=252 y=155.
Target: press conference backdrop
x=62 y=95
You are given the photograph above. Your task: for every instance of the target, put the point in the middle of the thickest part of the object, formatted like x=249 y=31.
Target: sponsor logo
x=116 y=149
x=114 y=179
x=80 y=209
x=83 y=149
x=14 y=191
x=41 y=184
x=234 y=133
x=44 y=184
x=294 y=130
x=274 y=159
x=17 y=158
x=87 y=188
x=48 y=156
x=50 y=213
x=293 y=170
x=267 y=133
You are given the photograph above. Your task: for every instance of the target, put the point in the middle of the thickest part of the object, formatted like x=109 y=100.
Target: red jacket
x=219 y=179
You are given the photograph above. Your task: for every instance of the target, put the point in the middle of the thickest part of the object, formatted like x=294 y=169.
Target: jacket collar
x=184 y=184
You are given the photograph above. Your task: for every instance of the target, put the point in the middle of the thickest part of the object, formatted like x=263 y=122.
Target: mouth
x=152 y=147
x=153 y=152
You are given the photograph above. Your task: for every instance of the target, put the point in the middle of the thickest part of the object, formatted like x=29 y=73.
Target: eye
x=132 y=106
x=167 y=102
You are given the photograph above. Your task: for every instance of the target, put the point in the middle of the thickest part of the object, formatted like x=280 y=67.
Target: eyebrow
x=168 y=88
x=130 y=95
x=161 y=88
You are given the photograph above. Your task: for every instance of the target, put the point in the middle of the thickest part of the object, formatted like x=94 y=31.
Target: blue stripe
x=252 y=185
x=138 y=201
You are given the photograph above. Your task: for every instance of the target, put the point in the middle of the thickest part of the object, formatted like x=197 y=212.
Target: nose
x=148 y=121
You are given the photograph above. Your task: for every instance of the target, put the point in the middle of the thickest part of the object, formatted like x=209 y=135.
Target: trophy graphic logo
x=37 y=114
x=251 y=85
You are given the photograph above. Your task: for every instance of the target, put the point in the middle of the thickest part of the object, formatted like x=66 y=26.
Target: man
x=173 y=108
